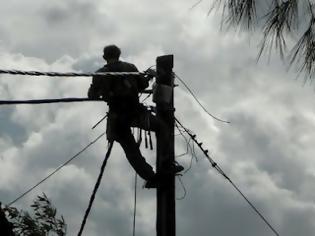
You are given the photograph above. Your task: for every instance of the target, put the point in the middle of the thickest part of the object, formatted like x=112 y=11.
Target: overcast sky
x=267 y=150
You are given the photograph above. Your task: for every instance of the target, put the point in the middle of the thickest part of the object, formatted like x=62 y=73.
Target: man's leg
x=149 y=122
x=118 y=130
x=133 y=154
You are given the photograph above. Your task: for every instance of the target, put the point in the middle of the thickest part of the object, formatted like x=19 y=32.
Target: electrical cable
x=184 y=188
x=253 y=206
x=57 y=100
x=42 y=101
x=195 y=4
x=135 y=207
x=97 y=184
x=197 y=100
x=56 y=170
x=189 y=149
x=100 y=121
x=67 y=74
x=215 y=166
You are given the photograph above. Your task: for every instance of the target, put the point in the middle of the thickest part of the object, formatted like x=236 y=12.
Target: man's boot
x=160 y=179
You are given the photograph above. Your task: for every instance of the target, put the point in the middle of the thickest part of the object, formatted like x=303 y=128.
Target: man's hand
x=150 y=73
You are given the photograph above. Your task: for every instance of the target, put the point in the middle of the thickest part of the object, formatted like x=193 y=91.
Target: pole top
x=166 y=62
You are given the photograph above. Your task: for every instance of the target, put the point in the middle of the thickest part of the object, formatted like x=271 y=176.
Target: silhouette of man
x=125 y=111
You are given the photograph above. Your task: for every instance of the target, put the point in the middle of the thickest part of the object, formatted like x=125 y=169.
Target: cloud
x=267 y=150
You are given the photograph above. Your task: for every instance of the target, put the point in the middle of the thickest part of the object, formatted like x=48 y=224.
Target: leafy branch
x=43 y=222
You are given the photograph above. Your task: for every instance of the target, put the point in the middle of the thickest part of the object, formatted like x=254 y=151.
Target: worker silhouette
x=121 y=93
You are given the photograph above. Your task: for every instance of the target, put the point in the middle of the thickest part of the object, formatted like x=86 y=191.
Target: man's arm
x=94 y=91
x=142 y=81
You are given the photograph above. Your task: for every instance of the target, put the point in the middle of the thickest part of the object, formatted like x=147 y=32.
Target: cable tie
x=214 y=164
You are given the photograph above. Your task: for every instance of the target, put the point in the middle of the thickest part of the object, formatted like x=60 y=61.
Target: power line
x=100 y=121
x=184 y=188
x=215 y=165
x=67 y=74
x=197 y=100
x=190 y=148
x=56 y=170
x=58 y=100
x=42 y=101
x=135 y=207
x=196 y=4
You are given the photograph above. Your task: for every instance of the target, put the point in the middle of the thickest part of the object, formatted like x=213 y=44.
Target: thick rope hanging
x=98 y=182
x=67 y=74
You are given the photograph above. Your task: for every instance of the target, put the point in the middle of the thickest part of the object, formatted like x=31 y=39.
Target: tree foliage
x=279 y=21
x=42 y=222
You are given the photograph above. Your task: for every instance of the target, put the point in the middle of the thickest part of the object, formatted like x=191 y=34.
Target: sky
x=267 y=150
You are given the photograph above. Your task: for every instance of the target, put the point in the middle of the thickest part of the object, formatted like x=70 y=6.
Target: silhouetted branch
x=304 y=51
x=283 y=18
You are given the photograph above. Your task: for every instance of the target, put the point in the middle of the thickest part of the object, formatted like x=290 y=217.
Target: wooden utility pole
x=164 y=98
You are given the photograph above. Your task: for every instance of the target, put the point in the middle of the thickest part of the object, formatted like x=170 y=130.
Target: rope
x=67 y=74
x=215 y=165
x=56 y=170
x=97 y=184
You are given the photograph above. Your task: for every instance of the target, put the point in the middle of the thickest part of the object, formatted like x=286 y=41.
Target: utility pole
x=164 y=98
